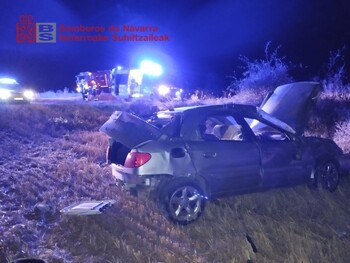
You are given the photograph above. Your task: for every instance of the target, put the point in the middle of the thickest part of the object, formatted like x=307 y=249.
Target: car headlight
x=28 y=94
x=163 y=90
x=5 y=94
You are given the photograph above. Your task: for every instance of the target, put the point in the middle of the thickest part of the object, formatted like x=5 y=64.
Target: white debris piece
x=88 y=207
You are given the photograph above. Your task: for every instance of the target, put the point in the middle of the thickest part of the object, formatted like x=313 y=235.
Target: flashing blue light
x=8 y=81
x=151 y=68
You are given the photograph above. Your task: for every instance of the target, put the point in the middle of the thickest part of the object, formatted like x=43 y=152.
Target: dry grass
x=54 y=155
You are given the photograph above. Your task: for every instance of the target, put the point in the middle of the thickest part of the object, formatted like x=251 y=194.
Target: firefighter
x=133 y=86
x=92 y=90
x=82 y=85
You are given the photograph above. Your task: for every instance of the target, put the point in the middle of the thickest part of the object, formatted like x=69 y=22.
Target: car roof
x=204 y=108
x=200 y=107
x=247 y=111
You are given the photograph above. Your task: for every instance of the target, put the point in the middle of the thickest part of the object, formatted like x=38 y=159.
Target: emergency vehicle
x=92 y=84
x=128 y=83
x=135 y=83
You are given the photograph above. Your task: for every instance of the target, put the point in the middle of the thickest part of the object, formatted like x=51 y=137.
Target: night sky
x=205 y=37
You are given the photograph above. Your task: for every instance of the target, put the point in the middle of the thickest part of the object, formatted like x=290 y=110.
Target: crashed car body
x=187 y=155
x=11 y=91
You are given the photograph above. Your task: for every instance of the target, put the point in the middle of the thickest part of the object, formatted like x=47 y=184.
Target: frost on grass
x=52 y=156
x=47 y=166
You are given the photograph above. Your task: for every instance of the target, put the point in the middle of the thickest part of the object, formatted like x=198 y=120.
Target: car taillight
x=136 y=159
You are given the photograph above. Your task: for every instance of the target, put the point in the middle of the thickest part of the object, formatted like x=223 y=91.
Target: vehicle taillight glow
x=136 y=159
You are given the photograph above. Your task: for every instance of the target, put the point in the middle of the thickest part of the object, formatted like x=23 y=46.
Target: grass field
x=53 y=155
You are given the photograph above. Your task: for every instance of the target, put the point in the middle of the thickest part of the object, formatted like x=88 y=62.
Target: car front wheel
x=182 y=201
x=328 y=174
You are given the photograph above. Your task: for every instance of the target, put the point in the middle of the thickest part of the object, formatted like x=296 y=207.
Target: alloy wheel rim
x=185 y=203
x=330 y=174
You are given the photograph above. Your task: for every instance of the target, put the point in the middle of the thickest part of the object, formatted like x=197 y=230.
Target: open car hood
x=129 y=129
x=292 y=103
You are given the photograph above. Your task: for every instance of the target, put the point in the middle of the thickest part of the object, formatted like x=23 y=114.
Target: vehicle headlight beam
x=5 y=94
x=28 y=94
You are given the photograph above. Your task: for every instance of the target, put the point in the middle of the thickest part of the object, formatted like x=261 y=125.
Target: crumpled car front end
x=321 y=146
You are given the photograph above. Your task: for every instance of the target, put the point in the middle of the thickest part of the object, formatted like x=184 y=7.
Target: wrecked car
x=184 y=156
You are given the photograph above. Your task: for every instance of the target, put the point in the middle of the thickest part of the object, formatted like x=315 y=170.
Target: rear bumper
x=118 y=171
x=140 y=186
x=344 y=162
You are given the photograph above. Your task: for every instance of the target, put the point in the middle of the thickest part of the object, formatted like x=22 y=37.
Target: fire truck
x=128 y=83
x=92 y=84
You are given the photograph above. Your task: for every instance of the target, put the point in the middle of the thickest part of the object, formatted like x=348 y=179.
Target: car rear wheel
x=182 y=201
x=328 y=174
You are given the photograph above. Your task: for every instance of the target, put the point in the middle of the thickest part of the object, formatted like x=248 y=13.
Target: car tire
x=181 y=201
x=328 y=174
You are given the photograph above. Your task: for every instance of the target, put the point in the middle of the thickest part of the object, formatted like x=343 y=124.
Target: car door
x=229 y=162
x=282 y=157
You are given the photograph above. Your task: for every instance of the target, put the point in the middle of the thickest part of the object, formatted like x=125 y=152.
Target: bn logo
x=27 y=31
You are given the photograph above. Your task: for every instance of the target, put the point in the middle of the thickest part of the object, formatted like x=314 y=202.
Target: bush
x=262 y=75
x=342 y=135
x=334 y=80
